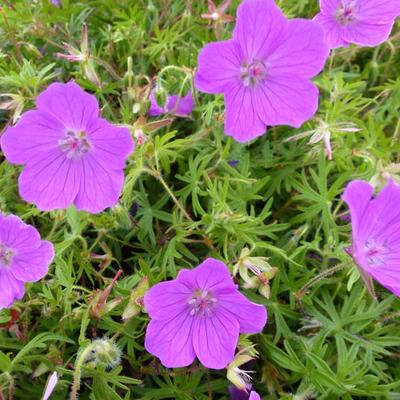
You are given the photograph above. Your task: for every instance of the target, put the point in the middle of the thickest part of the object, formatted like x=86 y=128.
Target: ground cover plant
x=199 y=200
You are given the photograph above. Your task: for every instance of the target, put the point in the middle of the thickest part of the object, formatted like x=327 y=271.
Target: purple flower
x=200 y=313
x=175 y=105
x=363 y=22
x=237 y=394
x=23 y=258
x=376 y=236
x=56 y=3
x=71 y=155
x=264 y=71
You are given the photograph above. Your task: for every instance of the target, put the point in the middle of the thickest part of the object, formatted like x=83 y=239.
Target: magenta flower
x=237 y=394
x=23 y=258
x=50 y=386
x=200 y=313
x=375 y=225
x=71 y=155
x=363 y=22
x=264 y=71
x=175 y=105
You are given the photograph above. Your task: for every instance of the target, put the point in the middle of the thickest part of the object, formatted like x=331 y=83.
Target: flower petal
x=260 y=28
x=36 y=132
x=10 y=288
x=167 y=299
x=215 y=339
x=180 y=106
x=303 y=58
x=99 y=187
x=30 y=266
x=171 y=340
x=111 y=144
x=252 y=317
x=333 y=32
x=379 y=11
x=357 y=196
x=283 y=100
x=50 y=181
x=70 y=104
x=211 y=274
x=367 y=34
x=218 y=65
x=243 y=120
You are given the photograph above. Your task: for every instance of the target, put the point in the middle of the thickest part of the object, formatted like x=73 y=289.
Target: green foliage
x=192 y=192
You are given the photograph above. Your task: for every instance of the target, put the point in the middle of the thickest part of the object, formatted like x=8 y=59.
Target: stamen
x=75 y=144
x=253 y=73
x=202 y=303
x=6 y=255
x=377 y=253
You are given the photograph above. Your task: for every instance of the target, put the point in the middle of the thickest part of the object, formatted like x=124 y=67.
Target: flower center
x=75 y=144
x=345 y=14
x=376 y=253
x=202 y=303
x=253 y=73
x=6 y=255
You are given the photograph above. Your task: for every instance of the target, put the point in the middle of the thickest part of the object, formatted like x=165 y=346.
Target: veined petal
x=218 y=65
x=111 y=145
x=367 y=34
x=334 y=33
x=243 y=118
x=11 y=289
x=50 y=181
x=33 y=265
x=260 y=28
x=252 y=317
x=303 y=58
x=283 y=100
x=212 y=275
x=70 y=104
x=171 y=340
x=167 y=299
x=379 y=11
x=36 y=132
x=99 y=187
x=215 y=339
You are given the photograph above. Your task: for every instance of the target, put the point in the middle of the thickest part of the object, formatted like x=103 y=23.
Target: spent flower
x=175 y=105
x=262 y=272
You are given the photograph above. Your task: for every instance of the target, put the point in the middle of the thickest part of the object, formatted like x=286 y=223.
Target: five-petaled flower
x=375 y=226
x=24 y=257
x=175 y=105
x=264 y=71
x=200 y=313
x=363 y=22
x=71 y=155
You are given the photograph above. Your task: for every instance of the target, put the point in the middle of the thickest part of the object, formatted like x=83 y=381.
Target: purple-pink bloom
x=70 y=154
x=363 y=22
x=56 y=2
x=199 y=314
x=175 y=105
x=264 y=71
x=24 y=257
x=237 y=394
x=375 y=230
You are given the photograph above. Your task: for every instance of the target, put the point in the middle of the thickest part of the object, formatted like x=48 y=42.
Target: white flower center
x=345 y=14
x=376 y=252
x=6 y=256
x=253 y=73
x=75 y=144
x=202 y=303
